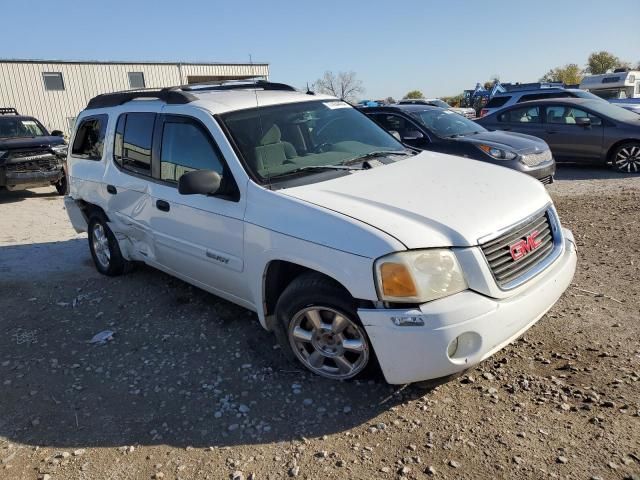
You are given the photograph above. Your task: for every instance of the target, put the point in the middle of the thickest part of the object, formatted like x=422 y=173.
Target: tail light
x=483 y=112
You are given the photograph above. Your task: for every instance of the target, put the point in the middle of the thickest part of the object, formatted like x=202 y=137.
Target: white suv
x=352 y=249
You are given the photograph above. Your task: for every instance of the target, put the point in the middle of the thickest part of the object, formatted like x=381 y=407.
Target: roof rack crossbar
x=181 y=94
x=8 y=111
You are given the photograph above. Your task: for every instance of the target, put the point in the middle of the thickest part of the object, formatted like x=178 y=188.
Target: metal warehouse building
x=56 y=91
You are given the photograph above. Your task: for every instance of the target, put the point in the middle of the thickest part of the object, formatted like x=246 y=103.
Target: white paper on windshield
x=28 y=123
x=336 y=104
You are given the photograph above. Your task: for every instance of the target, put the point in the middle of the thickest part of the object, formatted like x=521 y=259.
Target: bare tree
x=344 y=85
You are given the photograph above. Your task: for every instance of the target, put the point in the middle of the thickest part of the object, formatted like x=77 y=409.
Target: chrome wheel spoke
x=302 y=335
x=339 y=323
x=316 y=359
x=314 y=317
x=355 y=345
x=344 y=365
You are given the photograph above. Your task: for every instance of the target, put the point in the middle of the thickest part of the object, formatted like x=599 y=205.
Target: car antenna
x=261 y=129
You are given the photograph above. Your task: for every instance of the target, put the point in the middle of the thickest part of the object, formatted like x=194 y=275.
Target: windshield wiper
x=316 y=167
x=376 y=153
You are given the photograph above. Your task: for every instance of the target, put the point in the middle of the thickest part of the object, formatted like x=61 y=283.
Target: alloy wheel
x=100 y=243
x=628 y=159
x=328 y=343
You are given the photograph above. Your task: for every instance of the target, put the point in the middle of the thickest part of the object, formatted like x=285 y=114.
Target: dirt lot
x=191 y=387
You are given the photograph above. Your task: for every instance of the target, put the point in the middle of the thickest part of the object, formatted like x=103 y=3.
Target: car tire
x=319 y=326
x=104 y=247
x=61 y=186
x=626 y=158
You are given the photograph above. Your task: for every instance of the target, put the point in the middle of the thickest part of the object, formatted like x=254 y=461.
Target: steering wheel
x=321 y=148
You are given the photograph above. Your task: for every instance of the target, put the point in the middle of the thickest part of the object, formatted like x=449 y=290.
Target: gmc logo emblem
x=523 y=246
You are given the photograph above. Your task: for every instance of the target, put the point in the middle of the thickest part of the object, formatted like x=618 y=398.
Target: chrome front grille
x=524 y=250
x=32 y=165
x=548 y=180
x=533 y=159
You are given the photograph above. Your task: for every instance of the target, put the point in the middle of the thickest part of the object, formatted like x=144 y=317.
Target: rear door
x=199 y=238
x=570 y=141
x=521 y=119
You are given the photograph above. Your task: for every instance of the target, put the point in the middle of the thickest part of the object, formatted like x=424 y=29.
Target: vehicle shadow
x=7 y=196
x=184 y=368
x=569 y=171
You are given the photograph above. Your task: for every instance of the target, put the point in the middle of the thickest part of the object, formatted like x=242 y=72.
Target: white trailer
x=614 y=85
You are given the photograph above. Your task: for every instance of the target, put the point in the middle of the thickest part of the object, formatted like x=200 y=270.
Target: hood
x=517 y=142
x=29 y=142
x=431 y=199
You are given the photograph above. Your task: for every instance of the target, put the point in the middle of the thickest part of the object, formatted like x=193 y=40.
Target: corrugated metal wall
x=22 y=85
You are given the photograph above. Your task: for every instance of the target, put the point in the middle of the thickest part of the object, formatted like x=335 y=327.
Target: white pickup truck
x=354 y=250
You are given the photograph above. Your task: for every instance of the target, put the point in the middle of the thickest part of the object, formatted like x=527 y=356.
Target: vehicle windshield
x=439 y=103
x=20 y=127
x=446 y=123
x=614 y=112
x=280 y=139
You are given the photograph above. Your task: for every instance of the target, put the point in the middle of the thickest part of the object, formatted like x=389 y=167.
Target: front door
x=526 y=120
x=197 y=237
x=570 y=140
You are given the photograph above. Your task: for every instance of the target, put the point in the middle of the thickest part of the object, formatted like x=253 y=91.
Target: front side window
x=133 y=140
x=185 y=148
x=53 y=81
x=448 y=124
x=521 y=115
x=395 y=124
x=277 y=140
x=565 y=115
x=89 y=140
x=11 y=127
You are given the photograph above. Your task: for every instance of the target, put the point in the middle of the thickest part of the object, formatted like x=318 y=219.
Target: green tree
x=569 y=74
x=600 y=62
x=414 y=94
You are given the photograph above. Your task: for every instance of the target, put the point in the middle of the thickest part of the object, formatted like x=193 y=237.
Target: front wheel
x=322 y=328
x=626 y=158
x=61 y=186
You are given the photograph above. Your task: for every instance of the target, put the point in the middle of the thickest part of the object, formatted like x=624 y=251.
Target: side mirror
x=203 y=182
x=583 y=121
x=412 y=135
x=57 y=133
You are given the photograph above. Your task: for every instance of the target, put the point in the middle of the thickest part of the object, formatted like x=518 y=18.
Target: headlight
x=60 y=149
x=418 y=276
x=497 y=153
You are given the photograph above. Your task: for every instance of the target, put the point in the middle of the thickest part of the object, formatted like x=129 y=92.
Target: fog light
x=452 y=348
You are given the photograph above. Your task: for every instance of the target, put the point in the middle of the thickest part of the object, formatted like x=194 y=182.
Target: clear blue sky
x=439 y=47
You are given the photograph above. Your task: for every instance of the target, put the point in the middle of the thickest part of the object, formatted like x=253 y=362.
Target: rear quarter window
x=497 y=102
x=89 y=140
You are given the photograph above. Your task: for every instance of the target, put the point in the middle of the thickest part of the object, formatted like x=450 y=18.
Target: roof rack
x=181 y=94
x=8 y=111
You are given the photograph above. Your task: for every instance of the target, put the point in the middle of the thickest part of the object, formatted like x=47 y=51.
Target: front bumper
x=483 y=325
x=22 y=180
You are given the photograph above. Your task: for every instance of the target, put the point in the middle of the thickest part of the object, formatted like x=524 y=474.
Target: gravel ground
x=191 y=387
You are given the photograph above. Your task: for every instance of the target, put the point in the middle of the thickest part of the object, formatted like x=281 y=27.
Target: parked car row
x=353 y=248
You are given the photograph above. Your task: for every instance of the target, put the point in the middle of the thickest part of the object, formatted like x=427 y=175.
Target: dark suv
x=440 y=130
x=30 y=156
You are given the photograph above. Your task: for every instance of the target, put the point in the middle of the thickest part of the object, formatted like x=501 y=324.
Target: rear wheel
x=626 y=158
x=105 y=249
x=322 y=328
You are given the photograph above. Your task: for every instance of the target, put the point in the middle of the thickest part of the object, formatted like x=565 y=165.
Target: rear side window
x=497 y=102
x=185 y=148
x=133 y=140
x=521 y=115
x=89 y=141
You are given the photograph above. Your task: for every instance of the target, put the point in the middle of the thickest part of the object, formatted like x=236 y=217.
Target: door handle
x=163 y=205
x=112 y=190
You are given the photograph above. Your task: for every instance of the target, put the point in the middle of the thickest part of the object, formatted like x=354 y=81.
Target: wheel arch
x=619 y=143
x=278 y=275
